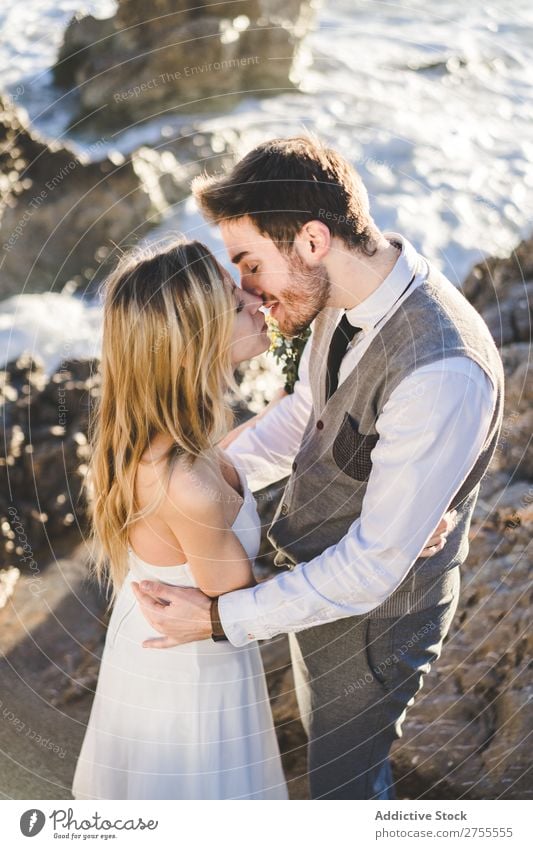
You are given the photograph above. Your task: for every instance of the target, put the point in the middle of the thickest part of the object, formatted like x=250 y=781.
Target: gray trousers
x=355 y=679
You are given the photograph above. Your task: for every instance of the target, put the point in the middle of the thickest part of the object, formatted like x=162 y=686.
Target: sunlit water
x=433 y=102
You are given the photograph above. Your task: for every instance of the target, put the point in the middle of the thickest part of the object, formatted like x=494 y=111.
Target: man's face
x=293 y=291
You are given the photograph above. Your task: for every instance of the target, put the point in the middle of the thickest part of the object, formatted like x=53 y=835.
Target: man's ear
x=313 y=242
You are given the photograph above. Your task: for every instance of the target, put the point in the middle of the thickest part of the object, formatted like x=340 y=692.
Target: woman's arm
x=194 y=512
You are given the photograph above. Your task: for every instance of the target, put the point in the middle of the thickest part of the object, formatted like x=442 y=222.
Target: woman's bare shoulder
x=194 y=488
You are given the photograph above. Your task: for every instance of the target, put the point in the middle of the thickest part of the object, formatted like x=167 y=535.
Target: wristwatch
x=216 y=625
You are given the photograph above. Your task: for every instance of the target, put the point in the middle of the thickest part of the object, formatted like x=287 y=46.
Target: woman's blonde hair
x=165 y=369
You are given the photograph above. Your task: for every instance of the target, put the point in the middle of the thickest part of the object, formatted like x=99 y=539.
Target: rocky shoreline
x=65 y=217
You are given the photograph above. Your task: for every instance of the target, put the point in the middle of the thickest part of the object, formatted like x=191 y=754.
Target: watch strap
x=216 y=625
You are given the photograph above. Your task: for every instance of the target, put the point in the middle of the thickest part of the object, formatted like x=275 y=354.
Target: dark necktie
x=342 y=336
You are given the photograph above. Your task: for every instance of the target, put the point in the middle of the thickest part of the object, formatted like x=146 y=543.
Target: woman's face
x=250 y=336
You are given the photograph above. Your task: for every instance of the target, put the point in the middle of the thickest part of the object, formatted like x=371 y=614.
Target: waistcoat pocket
x=351 y=449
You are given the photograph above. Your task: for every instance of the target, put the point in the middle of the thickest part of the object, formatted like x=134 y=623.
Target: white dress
x=190 y=722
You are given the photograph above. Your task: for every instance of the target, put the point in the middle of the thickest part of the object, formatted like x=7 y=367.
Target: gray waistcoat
x=325 y=492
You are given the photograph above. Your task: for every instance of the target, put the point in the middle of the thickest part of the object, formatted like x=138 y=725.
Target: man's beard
x=308 y=295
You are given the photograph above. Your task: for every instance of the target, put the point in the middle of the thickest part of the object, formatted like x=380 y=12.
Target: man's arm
x=265 y=450
x=431 y=431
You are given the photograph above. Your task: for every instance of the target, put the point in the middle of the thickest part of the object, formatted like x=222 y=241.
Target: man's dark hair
x=284 y=183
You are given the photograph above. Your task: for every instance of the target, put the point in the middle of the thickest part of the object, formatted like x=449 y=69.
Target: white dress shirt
x=431 y=431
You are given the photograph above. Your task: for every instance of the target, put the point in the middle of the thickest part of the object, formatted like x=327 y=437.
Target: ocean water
x=432 y=101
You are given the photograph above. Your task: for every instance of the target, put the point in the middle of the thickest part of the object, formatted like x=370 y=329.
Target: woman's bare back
x=151 y=538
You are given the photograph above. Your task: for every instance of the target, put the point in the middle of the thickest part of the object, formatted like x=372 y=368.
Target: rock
x=51 y=637
x=44 y=423
x=61 y=216
x=8 y=579
x=464 y=736
x=141 y=63
x=82 y=33
x=291 y=735
x=509 y=320
x=515 y=447
x=490 y=280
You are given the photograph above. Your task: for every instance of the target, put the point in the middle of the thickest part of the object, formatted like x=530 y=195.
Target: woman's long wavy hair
x=165 y=369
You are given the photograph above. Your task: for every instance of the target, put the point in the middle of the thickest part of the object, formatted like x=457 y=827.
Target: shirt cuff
x=240 y=620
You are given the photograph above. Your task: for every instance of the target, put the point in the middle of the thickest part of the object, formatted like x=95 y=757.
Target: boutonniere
x=287 y=352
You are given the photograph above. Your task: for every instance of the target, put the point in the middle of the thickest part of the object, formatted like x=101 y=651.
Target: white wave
x=52 y=327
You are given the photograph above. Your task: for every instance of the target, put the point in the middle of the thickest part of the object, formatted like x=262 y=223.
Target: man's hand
x=180 y=614
x=437 y=540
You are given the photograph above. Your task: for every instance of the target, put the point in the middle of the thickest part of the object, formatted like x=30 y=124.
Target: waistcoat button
x=294 y=466
x=320 y=424
x=284 y=510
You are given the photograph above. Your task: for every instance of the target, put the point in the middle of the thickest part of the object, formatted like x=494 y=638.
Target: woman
x=194 y=721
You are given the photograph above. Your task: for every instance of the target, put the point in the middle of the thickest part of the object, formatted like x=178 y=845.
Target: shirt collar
x=367 y=314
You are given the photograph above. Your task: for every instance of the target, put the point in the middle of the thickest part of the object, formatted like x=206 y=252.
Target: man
x=393 y=421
